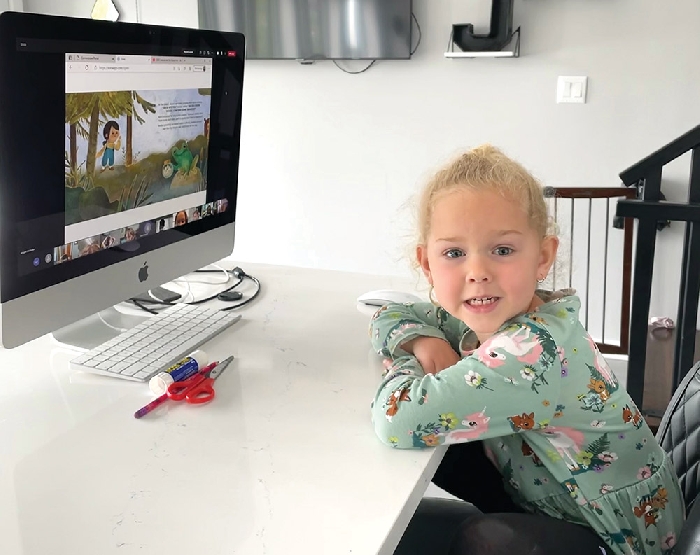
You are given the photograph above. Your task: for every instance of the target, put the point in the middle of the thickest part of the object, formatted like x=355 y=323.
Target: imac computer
x=119 y=167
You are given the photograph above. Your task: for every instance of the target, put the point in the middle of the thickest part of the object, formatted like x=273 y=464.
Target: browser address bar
x=116 y=68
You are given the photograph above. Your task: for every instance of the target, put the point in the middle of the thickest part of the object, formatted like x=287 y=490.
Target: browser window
x=136 y=144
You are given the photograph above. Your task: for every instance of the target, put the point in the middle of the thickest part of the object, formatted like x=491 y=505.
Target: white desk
x=283 y=461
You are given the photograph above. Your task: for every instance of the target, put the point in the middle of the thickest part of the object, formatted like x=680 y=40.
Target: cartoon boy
x=111 y=143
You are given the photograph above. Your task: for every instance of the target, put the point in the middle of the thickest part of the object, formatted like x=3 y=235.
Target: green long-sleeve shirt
x=567 y=438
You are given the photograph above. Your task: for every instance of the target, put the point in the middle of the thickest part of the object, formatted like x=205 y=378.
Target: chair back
x=679 y=434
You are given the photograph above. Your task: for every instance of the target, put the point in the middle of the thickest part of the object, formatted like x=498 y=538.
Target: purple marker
x=158 y=401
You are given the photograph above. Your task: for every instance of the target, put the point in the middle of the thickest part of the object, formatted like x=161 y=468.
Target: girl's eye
x=503 y=251
x=454 y=253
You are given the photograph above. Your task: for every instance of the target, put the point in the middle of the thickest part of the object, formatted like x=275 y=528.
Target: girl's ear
x=422 y=257
x=548 y=254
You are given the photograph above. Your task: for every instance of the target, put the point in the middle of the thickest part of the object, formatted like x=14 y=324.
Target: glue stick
x=179 y=371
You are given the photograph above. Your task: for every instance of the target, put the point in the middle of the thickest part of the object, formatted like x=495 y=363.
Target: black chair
x=433 y=524
x=679 y=436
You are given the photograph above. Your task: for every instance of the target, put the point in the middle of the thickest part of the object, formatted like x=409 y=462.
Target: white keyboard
x=156 y=344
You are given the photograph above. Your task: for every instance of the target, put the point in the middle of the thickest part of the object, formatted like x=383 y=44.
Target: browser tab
x=105 y=58
x=170 y=60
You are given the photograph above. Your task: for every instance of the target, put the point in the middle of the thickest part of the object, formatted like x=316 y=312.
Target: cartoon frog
x=182 y=158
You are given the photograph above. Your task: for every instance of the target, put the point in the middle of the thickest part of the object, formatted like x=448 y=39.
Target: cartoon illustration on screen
x=111 y=143
x=183 y=165
x=128 y=149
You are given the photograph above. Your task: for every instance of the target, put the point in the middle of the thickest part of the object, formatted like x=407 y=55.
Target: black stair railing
x=648 y=209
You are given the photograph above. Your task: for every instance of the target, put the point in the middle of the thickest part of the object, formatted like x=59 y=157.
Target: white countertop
x=283 y=461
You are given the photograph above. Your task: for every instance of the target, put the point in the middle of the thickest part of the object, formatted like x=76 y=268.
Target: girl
x=112 y=142
x=498 y=362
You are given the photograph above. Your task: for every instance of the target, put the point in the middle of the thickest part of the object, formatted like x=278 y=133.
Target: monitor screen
x=118 y=139
x=136 y=148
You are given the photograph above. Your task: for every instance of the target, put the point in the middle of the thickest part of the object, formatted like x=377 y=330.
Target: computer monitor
x=142 y=124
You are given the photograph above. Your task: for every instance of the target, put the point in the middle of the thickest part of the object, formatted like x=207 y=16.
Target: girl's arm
x=510 y=383
x=395 y=324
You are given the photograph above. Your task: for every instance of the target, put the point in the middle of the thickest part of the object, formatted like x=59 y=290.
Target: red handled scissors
x=199 y=388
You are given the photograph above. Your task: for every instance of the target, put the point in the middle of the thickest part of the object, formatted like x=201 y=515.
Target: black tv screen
x=314 y=29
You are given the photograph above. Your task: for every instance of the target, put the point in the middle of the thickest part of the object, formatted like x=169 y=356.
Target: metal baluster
x=605 y=263
x=588 y=259
x=571 y=245
x=554 y=272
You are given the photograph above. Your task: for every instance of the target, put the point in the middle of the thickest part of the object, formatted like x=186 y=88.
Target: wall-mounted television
x=315 y=29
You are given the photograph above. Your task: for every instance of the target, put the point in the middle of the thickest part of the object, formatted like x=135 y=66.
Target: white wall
x=329 y=159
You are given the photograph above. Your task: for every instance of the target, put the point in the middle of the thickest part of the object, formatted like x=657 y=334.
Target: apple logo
x=143 y=272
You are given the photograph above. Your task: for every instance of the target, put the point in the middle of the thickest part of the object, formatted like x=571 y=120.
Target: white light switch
x=572 y=89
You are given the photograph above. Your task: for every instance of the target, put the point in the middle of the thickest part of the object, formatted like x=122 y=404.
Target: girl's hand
x=433 y=354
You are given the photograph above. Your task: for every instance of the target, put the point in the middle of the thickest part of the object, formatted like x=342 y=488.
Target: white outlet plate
x=572 y=89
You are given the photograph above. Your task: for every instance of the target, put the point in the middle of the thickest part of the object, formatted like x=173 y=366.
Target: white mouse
x=386 y=296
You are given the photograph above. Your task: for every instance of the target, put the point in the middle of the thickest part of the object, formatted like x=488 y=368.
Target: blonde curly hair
x=485 y=168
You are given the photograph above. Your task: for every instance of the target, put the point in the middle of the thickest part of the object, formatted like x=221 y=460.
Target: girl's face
x=484 y=259
x=113 y=134
x=180 y=219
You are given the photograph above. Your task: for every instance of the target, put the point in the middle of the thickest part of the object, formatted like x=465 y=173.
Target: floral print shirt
x=567 y=438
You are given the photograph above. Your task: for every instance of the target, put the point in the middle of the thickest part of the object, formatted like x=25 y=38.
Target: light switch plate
x=572 y=89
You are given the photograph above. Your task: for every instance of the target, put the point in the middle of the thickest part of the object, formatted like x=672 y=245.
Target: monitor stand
x=97 y=329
